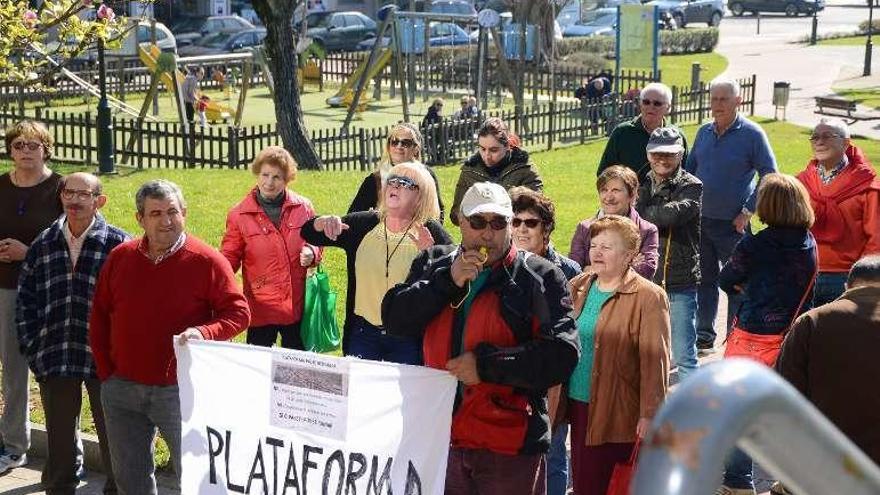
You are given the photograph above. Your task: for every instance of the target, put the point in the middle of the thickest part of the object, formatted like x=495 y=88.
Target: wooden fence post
x=551 y=134
x=88 y=144
x=363 y=157
x=232 y=146
x=673 y=115
x=754 y=95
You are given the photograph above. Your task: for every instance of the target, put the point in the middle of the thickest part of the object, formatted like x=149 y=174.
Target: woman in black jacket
x=404 y=144
x=380 y=246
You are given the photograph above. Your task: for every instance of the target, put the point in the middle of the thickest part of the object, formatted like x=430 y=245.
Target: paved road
x=773 y=55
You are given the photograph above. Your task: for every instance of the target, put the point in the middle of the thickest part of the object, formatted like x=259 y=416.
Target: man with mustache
x=55 y=292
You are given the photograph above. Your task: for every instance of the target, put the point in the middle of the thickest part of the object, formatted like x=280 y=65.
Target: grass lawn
x=844 y=41
x=568 y=173
x=866 y=96
x=259 y=108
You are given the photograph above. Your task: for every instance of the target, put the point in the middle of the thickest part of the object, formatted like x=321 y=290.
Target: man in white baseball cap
x=500 y=321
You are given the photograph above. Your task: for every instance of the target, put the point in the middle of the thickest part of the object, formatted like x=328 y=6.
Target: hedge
x=676 y=42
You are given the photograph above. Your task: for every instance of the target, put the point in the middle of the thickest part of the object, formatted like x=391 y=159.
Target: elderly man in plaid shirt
x=55 y=293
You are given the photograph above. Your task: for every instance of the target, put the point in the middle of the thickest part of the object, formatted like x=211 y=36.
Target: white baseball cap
x=486 y=197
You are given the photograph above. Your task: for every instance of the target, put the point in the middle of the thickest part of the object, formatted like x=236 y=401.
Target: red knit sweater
x=139 y=306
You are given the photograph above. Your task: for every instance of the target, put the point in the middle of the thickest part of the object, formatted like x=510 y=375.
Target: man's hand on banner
x=464 y=368
x=191 y=333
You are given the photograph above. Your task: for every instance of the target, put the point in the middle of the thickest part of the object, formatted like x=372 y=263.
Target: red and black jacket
x=520 y=327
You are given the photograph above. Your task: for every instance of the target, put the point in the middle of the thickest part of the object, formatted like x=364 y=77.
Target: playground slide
x=214 y=112
x=382 y=60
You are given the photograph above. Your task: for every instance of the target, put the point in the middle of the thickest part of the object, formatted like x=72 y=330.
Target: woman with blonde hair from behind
x=774 y=270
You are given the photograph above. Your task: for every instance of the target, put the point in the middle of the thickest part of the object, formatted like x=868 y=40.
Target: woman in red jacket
x=263 y=238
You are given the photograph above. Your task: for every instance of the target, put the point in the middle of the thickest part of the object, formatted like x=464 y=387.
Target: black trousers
x=190 y=111
x=62 y=403
x=266 y=336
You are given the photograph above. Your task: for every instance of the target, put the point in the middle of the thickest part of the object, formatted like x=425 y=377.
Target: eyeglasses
x=479 y=223
x=32 y=146
x=656 y=103
x=69 y=194
x=530 y=222
x=398 y=182
x=823 y=137
x=406 y=143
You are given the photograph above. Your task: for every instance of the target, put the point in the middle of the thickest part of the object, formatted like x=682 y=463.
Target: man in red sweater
x=150 y=290
x=845 y=194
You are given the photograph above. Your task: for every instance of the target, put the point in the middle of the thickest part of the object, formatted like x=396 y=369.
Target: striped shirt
x=55 y=299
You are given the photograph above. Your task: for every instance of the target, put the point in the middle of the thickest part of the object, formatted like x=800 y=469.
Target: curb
x=91 y=453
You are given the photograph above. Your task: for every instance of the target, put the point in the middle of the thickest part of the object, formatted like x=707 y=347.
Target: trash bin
x=781 y=91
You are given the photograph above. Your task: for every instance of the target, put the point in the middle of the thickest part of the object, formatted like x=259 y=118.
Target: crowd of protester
x=550 y=350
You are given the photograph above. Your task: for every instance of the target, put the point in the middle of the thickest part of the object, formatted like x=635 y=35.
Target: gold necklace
x=391 y=255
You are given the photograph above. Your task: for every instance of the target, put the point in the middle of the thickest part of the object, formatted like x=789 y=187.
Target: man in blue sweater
x=727 y=154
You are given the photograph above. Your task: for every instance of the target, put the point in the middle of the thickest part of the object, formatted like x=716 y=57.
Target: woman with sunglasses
x=29 y=203
x=621 y=377
x=534 y=218
x=498 y=159
x=404 y=144
x=263 y=238
x=626 y=145
x=380 y=246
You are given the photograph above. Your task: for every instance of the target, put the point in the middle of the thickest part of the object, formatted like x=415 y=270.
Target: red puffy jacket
x=274 y=280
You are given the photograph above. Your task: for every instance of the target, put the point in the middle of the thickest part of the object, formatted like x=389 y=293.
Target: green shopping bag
x=319 y=329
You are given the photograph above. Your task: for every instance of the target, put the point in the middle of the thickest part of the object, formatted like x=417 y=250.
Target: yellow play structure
x=215 y=111
x=345 y=95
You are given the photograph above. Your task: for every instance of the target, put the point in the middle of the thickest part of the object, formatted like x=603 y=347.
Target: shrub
x=677 y=42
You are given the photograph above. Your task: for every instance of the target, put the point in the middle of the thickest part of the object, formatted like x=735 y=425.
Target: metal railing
x=738 y=402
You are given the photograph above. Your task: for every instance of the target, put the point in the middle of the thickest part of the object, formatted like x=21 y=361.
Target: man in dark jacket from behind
x=670 y=198
x=830 y=356
x=500 y=320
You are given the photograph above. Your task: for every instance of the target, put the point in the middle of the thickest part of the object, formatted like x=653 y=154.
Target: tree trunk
x=280 y=45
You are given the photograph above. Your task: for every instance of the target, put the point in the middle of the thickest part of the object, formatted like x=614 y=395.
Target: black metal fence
x=163 y=144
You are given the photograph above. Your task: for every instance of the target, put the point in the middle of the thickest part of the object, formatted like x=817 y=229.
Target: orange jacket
x=847 y=211
x=274 y=280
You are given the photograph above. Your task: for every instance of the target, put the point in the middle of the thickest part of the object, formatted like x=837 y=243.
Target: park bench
x=835 y=103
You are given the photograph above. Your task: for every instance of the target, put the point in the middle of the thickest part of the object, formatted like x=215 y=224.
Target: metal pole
x=815 y=25
x=869 y=46
x=759 y=23
x=105 y=126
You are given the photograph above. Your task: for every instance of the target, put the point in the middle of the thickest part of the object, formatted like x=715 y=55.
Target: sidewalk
x=811 y=70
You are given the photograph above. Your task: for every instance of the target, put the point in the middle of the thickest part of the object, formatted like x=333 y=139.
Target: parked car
x=164 y=40
x=689 y=11
x=460 y=7
x=598 y=22
x=442 y=34
x=340 y=30
x=603 y=22
x=571 y=13
x=790 y=7
x=220 y=43
x=189 y=29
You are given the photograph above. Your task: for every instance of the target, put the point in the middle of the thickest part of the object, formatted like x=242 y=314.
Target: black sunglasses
x=399 y=181
x=530 y=222
x=479 y=223
x=656 y=103
x=406 y=143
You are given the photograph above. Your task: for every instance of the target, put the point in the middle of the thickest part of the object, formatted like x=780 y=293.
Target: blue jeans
x=682 y=312
x=370 y=342
x=739 y=470
x=829 y=286
x=557 y=462
x=717 y=240
x=132 y=413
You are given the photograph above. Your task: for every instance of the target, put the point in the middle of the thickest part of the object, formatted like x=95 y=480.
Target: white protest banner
x=278 y=422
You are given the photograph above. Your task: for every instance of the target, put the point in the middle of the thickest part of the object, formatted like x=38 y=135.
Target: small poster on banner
x=637 y=36
x=310 y=394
